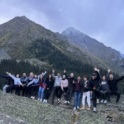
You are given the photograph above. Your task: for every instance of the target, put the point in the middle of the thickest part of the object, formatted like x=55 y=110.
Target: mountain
x=23 y=39
x=107 y=55
x=122 y=55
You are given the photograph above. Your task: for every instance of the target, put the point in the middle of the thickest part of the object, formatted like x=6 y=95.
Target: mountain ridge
x=18 y=34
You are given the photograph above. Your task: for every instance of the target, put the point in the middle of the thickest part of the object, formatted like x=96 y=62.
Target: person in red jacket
x=77 y=93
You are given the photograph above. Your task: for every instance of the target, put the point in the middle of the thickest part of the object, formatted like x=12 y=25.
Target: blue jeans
x=41 y=92
x=77 y=99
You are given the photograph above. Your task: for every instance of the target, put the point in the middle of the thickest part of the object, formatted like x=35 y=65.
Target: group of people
x=36 y=85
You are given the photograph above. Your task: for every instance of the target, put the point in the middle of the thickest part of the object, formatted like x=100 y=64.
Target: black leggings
x=69 y=94
x=56 y=92
x=103 y=94
x=117 y=93
x=47 y=93
x=95 y=96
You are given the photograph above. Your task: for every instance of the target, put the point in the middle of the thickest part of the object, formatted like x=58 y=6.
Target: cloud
x=100 y=19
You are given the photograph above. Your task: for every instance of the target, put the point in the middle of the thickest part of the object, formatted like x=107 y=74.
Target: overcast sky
x=100 y=19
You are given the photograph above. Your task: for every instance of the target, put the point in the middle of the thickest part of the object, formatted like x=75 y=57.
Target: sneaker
x=68 y=102
x=82 y=108
x=88 y=109
x=32 y=97
x=97 y=100
x=105 y=101
x=58 y=101
x=94 y=109
x=40 y=100
x=78 y=107
x=74 y=109
x=102 y=101
x=44 y=101
x=65 y=102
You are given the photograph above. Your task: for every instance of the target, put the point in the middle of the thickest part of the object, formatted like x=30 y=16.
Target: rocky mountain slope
x=106 y=54
x=22 y=110
x=18 y=40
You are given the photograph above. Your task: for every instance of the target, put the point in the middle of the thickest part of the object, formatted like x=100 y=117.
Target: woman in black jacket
x=95 y=85
x=49 y=87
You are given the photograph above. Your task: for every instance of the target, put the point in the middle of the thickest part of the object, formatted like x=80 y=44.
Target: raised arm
x=13 y=77
x=53 y=73
x=43 y=73
x=31 y=82
x=65 y=74
x=107 y=76
x=3 y=76
x=119 y=79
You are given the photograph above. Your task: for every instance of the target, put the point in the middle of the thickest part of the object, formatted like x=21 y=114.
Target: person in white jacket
x=17 y=83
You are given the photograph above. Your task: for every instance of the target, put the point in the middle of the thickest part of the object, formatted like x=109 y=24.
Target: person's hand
x=53 y=71
x=98 y=70
x=95 y=69
x=45 y=71
x=64 y=71
x=47 y=88
x=90 y=92
x=109 y=70
x=7 y=73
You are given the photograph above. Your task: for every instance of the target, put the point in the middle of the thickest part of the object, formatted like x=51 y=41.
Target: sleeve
x=90 y=85
x=20 y=82
x=67 y=82
x=107 y=76
x=13 y=77
x=31 y=82
x=119 y=79
x=53 y=75
x=98 y=76
x=43 y=74
x=61 y=85
x=3 y=76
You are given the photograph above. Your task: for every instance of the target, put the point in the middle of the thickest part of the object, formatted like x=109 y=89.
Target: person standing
x=95 y=85
x=86 y=93
x=77 y=93
x=57 y=88
x=70 y=90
